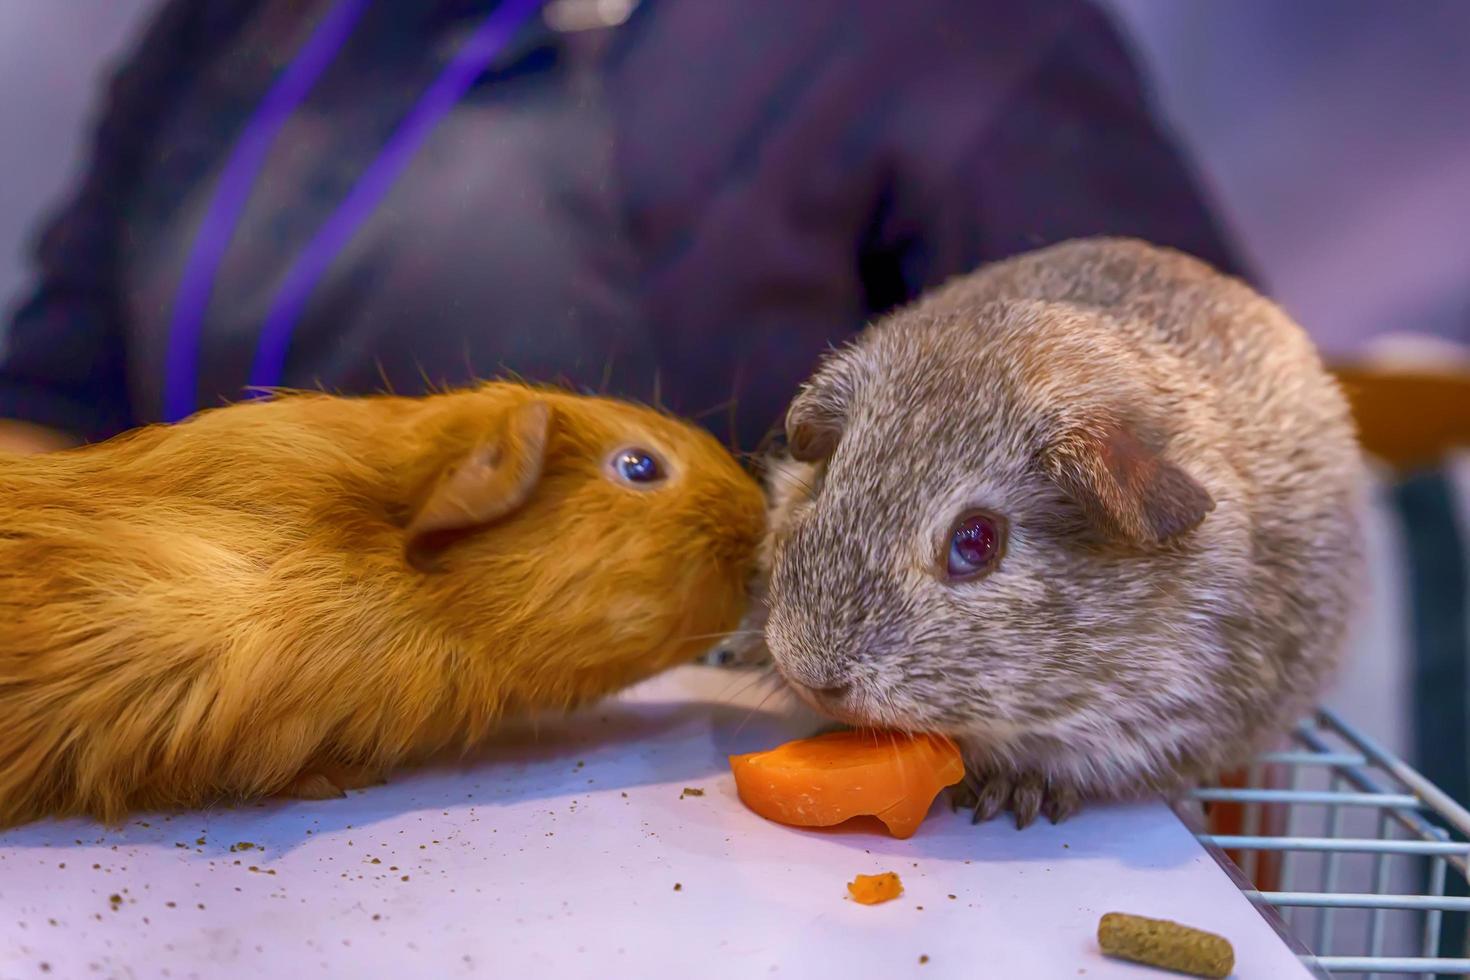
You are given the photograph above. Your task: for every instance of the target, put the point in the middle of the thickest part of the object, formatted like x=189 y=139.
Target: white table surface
x=569 y=853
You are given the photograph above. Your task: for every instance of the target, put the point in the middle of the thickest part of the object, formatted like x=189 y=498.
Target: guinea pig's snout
x=832 y=693
x=828 y=694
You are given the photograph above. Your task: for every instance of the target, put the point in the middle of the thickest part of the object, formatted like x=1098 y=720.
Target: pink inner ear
x=1137 y=493
x=811 y=441
x=493 y=480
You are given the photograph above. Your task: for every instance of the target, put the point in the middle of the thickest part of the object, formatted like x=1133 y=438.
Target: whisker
x=607 y=370
x=718 y=636
x=758 y=706
x=706 y=413
x=383 y=376
x=760 y=677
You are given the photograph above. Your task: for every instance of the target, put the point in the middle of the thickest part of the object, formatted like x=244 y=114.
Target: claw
x=1026 y=800
x=991 y=798
x=1060 y=804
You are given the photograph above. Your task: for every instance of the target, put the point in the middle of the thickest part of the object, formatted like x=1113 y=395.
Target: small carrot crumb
x=872 y=889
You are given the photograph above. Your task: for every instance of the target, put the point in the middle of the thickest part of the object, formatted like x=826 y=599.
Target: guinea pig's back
x=1257 y=368
x=1269 y=411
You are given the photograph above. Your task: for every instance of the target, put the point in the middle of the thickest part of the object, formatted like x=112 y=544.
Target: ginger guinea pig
x=1093 y=511
x=293 y=596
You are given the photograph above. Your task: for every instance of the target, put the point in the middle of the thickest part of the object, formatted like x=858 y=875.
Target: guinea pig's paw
x=329 y=782
x=311 y=786
x=1025 y=794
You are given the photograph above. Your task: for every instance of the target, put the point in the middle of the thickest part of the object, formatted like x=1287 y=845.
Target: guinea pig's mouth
x=849 y=703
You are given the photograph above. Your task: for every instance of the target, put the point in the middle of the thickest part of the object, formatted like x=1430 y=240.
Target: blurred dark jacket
x=690 y=206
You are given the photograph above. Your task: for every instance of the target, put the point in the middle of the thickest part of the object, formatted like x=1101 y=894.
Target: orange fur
x=226 y=608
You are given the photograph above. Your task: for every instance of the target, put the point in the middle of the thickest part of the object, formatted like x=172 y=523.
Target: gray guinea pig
x=1093 y=511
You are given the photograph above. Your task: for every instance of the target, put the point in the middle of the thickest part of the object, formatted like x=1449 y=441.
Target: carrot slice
x=823 y=781
x=872 y=889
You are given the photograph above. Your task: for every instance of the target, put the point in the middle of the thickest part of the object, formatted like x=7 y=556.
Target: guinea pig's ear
x=817 y=416
x=1128 y=490
x=494 y=479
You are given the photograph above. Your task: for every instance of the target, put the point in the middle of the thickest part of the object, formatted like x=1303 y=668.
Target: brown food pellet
x=691 y=791
x=678 y=887
x=1164 y=944
x=923 y=958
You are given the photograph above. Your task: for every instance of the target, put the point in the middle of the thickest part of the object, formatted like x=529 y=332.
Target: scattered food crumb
x=951 y=898
x=872 y=889
x=691 y=791
x=923 y=958
x=678 y=886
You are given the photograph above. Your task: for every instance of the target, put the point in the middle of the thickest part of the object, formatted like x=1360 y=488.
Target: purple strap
x=235 y=182
x=473 y=57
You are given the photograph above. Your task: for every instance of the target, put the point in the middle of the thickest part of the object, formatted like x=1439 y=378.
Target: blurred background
x=1332 y=132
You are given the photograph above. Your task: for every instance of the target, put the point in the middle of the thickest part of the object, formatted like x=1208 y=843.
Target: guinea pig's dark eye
x=975 y=545
x=638 y=466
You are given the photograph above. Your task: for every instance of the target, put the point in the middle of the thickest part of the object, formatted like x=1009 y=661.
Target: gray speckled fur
x=1102 y=657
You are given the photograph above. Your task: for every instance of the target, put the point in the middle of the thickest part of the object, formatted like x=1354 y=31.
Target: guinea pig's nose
x=830 y=696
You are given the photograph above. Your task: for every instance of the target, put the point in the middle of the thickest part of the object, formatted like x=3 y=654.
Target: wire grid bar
x=1360 y=900
x=1394 y=964
x=1339 y=798
x=1354 y=789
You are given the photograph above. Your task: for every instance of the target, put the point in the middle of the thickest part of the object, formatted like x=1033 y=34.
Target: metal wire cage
x=1353 y=853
